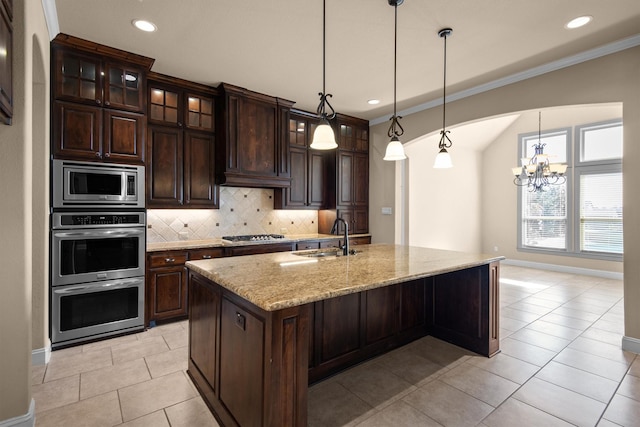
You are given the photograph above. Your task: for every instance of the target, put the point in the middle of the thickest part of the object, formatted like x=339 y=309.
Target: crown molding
x=51 y=17
x=569 y=61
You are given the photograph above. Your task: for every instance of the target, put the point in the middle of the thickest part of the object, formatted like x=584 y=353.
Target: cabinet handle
x=241 y=321
x=206 y=256
x=167 y=260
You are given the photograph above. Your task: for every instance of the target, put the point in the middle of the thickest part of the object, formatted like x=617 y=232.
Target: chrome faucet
x=334 y=229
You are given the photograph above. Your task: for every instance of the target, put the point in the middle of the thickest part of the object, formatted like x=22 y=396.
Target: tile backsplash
x=242 y=211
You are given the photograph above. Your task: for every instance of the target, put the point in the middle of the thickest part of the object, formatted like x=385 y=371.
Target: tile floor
x=560 y=365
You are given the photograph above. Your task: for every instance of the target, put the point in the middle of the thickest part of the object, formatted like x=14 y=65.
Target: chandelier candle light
x=394 y=150
x=443 y=159
x=323 y=136
x=537 y=173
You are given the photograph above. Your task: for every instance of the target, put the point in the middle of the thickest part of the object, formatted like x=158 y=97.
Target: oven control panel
x=96 y=219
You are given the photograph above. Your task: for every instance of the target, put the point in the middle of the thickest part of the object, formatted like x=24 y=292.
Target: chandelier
x=537 y=173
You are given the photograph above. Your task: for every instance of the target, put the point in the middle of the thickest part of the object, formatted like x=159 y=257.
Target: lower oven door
x=95 y=310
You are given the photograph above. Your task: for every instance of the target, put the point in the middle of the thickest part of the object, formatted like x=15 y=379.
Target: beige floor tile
x=506 y=366
x=567 y=321
x=523 y=316
x=440 y=352
x=191 y=413
x=623 y=411
x=635 y=367
x=583 y=382
x=161 y=330
x=602 y=349
x=560 y=402
x=448 y=405
x=586 y=307
x=630 y=387
x=512 y=324
x=111 y=342
x=531 y=308
x=112 y=378
x=578 y=314
x=607 y=325
x=103 y=410
x=155 y=419
x=330 y=404
x=483 y=385
x=126 y=352
x=60 y=367
x=558 y=297
x=515 y=413
x=607 y=423
x=529 y=353
x=144 y=398
x=554 y=329
x=176 y=339
x=595 y=364
x=411 y=367
x=604 y=336
x=374 y=384
x=167 y=362
x=399 y=414
x=542 y=302
x=540 y=339
x=56 y=393
x=37 y=374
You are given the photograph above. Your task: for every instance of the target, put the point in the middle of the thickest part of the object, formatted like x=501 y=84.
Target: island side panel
x=250 y=365
x=464 y=308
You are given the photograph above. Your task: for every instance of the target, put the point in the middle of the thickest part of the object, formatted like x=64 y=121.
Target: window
x=582 y=217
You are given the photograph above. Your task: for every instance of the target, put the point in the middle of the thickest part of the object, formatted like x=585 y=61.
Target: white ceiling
x=275 y=46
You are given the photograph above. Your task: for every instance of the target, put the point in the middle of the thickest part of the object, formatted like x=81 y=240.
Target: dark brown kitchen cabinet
x=253 y=148
x=85 y=132
x=307 y=189
x=6 y=61
x=181 y=145
x=98 y=102
x=259 y=249
x=180 y=169
x=84 y=72
x=166 y=286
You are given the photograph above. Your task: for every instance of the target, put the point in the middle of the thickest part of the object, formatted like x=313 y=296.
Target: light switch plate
x=387 y=211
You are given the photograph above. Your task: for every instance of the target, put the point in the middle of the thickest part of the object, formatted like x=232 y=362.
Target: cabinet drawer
x=167 y=259
x=329 y=244
x=300 y=246
x=206 y=253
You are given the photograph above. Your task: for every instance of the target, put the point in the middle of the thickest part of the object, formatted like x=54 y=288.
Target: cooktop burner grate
x=253 y=237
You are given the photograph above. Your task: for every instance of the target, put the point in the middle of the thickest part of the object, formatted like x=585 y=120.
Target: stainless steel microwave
x=97 y=185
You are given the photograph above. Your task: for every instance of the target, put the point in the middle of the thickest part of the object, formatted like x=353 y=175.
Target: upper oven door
x=85 y=184
x=89 y=255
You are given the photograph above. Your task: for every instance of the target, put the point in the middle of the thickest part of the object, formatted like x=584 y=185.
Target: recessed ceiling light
x=579 y=22
x=143 y=25
x=373 y=102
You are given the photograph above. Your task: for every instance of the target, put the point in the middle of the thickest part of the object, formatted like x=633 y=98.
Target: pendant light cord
x=445 y=142
x=395 y=130
x=324 y=102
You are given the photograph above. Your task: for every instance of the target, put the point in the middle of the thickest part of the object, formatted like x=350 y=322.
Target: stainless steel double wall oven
x=97 y=250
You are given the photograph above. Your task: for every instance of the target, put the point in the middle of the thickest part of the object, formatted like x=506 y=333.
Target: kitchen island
x=263 y=327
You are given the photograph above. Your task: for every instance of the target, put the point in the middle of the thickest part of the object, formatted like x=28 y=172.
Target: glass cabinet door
x=78 y=78
x=123 y=88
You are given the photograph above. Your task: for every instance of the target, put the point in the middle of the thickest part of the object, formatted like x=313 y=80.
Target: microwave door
x=95 y=186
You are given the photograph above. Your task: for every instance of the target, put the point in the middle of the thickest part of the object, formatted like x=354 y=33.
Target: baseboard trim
x=631 y=344
x=565 y=269
x=41 y=356
x=26 y=420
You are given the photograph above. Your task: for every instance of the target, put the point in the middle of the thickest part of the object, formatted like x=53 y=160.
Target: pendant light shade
x=395 y=150
x=443 y=159
x=324 y=137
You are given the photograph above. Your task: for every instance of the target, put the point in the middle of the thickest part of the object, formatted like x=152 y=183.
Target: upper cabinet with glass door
x=96 y=75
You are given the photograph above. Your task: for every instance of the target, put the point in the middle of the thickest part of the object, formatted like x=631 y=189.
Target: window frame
x=575 y=169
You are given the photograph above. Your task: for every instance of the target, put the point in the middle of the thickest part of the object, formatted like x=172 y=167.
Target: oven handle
x=98 y=233
x=110 y=285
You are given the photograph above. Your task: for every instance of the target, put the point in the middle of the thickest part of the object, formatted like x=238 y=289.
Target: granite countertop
x=284 y=279
x=212 y=243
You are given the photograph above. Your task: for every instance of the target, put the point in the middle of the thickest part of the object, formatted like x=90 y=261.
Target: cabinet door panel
x=337 y=326
x=77 y=77
x=412 y=305
x=77 y=131
x=345 y=178
x=347 y=216
x=241 y=339
x=382 y=317
x=360 y=179
x=169 y=292
x=204 y=311
x=124 y=136
x=164 y=170
x=316 y=179
x=199 y=170
x=124 y=87
x=297 y=193
x=6 y=67
x=360 y=224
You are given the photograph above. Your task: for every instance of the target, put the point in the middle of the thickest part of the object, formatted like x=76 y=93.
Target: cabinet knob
x=206 y=256
x=168 y=260
x=98 y=101
x=107 y=155
x=98 y=155
x=107 y=103
x=179 y=124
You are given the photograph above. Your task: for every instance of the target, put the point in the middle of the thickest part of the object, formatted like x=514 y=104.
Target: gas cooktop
x=253 y=237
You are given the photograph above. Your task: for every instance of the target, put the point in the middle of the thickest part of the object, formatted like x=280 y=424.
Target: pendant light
x=443 y=159
x=394 y=150
x=323 y=136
